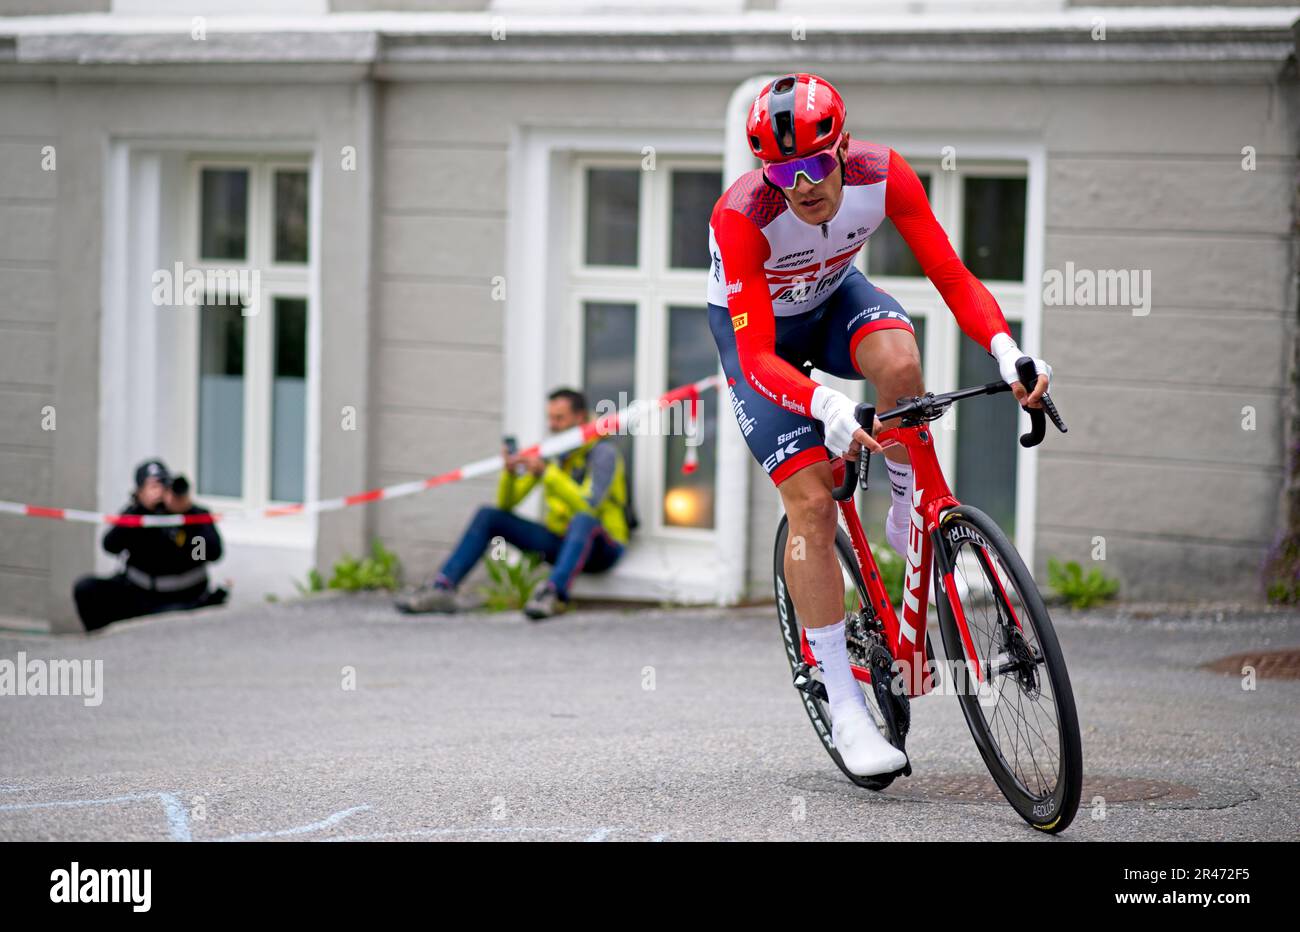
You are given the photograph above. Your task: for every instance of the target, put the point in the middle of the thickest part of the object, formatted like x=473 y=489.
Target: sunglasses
x=816 y=168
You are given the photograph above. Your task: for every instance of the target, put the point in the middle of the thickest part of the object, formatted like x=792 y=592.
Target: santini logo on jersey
x=792 y=258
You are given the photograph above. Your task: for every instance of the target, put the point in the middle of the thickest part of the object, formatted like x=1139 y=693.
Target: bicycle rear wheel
x=807 y=679
x=1013 y=686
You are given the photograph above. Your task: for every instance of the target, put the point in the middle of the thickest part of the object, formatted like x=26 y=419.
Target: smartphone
x=512 y=445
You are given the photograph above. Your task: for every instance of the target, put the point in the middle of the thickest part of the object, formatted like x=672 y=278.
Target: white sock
x=899 y=520
x=833 y=660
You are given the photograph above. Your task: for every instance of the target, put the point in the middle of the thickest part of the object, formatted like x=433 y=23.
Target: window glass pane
x=987 y=440
x=875 y=504
x=993 y=227
x=609 y=365
x=221 y=400
x=613 y=207
x=688 y=497
x=693 y=197
x=290 y=216
x=223 y=213
x=289 y=401
x=887 y=254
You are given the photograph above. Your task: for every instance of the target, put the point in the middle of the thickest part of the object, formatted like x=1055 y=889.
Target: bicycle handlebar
x=928 y=407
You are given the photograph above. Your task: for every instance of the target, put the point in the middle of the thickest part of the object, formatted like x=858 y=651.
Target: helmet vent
x=824 y=126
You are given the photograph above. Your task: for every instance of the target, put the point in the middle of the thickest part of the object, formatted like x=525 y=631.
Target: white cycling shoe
x=862 y=747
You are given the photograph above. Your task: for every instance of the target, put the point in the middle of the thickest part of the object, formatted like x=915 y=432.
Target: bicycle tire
x=1052 y=812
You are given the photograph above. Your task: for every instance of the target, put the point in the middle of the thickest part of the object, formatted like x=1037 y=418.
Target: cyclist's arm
x=976 y=311
x=744 y=249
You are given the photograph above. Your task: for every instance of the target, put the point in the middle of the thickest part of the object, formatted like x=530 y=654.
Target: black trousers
x=103 y=601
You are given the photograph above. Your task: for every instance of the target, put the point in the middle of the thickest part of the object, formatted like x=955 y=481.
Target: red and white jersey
x=803 y=261
x=766 y=262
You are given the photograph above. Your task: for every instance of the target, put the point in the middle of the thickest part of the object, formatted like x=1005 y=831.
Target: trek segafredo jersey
x=767 y=263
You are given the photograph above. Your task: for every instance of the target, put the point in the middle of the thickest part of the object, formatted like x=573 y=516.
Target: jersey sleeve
x=744 y=249
x=906 y=205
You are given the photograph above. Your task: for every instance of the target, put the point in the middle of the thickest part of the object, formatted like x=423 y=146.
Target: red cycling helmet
x=794 y=116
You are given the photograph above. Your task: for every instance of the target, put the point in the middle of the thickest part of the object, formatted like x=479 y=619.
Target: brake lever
x=866 y=416
x=855 y=471
x=1037 y=418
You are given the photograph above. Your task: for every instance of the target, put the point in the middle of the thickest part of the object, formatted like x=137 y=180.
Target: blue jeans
x=585 y=547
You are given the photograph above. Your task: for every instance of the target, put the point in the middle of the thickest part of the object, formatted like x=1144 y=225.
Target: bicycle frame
x=931 y=496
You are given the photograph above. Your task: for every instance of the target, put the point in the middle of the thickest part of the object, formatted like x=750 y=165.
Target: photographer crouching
x=166 y=567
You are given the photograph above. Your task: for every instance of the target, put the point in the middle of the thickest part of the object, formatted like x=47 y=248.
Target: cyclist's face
x=561 y=416
x=817 y=203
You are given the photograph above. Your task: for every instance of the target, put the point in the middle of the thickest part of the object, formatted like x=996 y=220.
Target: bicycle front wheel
x=1010 y=673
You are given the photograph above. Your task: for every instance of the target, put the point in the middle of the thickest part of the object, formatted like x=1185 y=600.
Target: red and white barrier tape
x=552 y=446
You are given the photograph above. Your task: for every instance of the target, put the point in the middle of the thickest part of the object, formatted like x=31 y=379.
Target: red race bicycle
x=1003 y=660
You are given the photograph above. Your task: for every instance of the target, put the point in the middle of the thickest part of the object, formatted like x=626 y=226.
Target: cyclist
x=784 y=297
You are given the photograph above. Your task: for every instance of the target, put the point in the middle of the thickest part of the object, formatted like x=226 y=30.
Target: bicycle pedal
x=804 y=682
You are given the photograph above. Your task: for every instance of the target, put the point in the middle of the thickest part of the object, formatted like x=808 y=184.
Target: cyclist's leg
x=789 y=446
x=781 y=440
x=871 y=333
x=790 y=449
x=487 y=524
x=811 y=569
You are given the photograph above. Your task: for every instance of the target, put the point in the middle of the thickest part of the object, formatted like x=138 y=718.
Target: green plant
x=892 y=569
x=1077 y=590
x=313 y=584
x=379 y=570
x=510 y=584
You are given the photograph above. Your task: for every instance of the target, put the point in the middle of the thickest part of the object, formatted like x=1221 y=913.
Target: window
x=224 y=215
x=688 y=495
x=221 y=400
x=251 y=225
x=993 y=227
x=613 y=206
x=887 y=253
x=637 y=282
x=983 y=208
x=609 y=361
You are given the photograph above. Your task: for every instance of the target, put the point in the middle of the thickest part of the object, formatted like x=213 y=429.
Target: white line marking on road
x=599 y=834
x=326 y=822
x=178 y=822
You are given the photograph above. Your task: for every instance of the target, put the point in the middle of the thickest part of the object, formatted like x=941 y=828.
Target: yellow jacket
x=589 y=480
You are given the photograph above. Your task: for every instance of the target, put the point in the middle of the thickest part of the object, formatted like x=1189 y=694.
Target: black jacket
x=163 y=551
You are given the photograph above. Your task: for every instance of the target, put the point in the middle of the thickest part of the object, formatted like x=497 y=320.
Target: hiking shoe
x=545 y=602
x=427 y=599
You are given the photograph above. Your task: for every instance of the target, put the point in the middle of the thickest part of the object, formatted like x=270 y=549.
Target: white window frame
x=539 y=353
x=652 y=287
x=278 y=280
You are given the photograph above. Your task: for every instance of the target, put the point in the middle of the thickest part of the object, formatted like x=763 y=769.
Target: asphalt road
x=603 y=725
